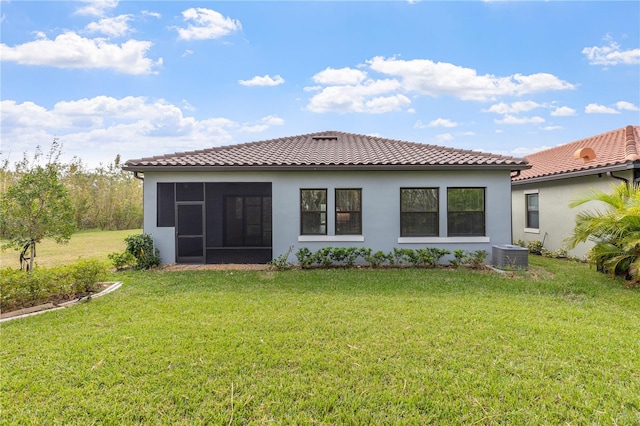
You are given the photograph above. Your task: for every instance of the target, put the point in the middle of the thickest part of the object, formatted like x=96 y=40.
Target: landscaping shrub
x=122 y=260
x=19 y=289
x=141 y=247
x=535 y=247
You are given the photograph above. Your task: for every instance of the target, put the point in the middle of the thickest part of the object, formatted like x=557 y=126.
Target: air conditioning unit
x=508 y=256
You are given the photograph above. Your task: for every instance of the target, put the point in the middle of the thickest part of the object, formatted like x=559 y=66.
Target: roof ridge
x=630 y=144
x=584 y=139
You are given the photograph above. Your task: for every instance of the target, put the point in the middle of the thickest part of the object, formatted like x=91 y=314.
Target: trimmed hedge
x=19 y=289
x=429 y=257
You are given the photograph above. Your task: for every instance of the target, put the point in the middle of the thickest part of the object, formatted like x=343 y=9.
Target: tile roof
x=614 y=148
x=326 y=150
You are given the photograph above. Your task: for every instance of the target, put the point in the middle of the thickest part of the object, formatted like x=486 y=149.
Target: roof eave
x=579 y=173
x=288 y=168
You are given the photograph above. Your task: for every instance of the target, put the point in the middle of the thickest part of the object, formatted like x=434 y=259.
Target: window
x=348 y=211
x=313 y=212
x=465 y=212
x=418 y=212
x=533 y=213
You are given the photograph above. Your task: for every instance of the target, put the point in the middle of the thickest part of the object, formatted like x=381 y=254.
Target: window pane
x=465 y=199
x=465 y=215
x=419 y=224
x=419 y=199
x=313 y=200
x=348 y=200
x=532 y=201
x=533 y=220
x=348 y=223
x=314 y=223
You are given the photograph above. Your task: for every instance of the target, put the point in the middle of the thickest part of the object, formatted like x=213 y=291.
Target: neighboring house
x=249 y=203
x=541 y=194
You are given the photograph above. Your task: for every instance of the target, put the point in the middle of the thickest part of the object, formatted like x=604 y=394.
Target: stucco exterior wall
x=557 y=220
x=380 y=207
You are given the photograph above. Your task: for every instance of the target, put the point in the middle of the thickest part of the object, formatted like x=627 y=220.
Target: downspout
x=511 y=201
x=625 y=180
x=137 y=176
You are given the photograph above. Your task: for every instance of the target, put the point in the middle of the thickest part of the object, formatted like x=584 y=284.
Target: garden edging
x=48 y=307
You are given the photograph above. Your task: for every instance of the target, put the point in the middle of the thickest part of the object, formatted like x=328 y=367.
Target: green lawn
x=561 y=346
x=86 y=244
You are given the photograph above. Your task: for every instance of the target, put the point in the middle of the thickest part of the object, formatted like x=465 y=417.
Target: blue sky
x=143 y=78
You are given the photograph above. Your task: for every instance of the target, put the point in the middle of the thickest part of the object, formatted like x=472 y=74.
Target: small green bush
x=281 y=263
x=535 y=247
x=141 y=247
x=122 y=260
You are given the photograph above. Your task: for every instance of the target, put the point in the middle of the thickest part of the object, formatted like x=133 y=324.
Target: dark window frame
x=451 y=214
x=531 y=212
x=358 y=212
x=313 y=213
x=432 y=214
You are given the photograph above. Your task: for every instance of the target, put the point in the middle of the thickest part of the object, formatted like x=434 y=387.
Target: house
x=541 y=194
x=251 y=202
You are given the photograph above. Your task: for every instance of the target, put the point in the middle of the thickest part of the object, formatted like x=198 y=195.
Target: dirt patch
x=211 y=267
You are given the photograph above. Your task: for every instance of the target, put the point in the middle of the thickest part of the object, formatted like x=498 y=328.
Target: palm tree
x=615 y=230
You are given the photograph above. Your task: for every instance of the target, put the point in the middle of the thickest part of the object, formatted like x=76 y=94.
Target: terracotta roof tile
x=612 y=148
x=327 y=149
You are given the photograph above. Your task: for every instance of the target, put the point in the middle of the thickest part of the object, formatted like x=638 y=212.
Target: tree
x=37 y=205
x=614 y=230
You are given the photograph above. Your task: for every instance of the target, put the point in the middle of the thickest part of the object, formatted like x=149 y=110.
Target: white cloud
x=206 y=24
x=383 y=104
x=444 y=137
x=342 y=76
x=510 y=119
x=611 y=53
x=103 y=126
x=152 y=14
x=430 y=78
x=96 y=7
x=514 y=107
x=624 y=105
x=551 y=128
x=265 y=80
x=442 y=122
x=599 y=109
x=419 y=125
x=263 y=124
x=187 y=52
x=563 y=112
x=365 y=97
x=69 y=50
x=112 y=27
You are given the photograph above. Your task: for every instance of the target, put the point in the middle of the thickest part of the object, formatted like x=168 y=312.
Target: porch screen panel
x=165 y=208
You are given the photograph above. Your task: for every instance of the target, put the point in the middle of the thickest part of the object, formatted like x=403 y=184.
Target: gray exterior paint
x=380 y=206
x=557 y=220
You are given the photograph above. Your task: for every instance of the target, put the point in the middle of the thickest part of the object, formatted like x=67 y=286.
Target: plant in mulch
x=44 y=285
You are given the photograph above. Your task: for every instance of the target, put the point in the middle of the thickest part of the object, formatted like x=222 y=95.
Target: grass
x=559 y=346
x=85 y=244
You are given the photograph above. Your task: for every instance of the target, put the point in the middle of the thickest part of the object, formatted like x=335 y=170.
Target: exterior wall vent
x=508 y=256
x=587 y=154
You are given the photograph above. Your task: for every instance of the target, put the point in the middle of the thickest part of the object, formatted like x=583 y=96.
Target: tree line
x=105 y=197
